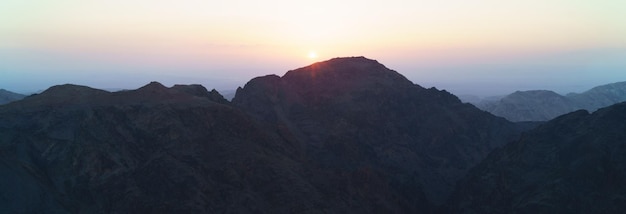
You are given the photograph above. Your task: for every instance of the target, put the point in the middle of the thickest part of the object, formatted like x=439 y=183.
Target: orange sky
x=222 y=44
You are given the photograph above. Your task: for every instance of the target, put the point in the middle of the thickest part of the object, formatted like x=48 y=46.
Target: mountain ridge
x=9 y=96
x=543 y=105
x=129 y=152
x=312 y=110
x=571 y=164
x=345 y=135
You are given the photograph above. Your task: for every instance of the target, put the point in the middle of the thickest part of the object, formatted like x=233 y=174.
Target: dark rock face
x=575 y=163
x=346 y=135
x=74 y=149
x=347 y=115
x=8 y=96
x=543 y=105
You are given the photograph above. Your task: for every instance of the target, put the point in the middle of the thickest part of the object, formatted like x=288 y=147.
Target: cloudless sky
x=483 y=47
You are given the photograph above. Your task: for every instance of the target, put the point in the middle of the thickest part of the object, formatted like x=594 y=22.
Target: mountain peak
x=70 y=92
x=344 y=65
x=70 y=89
x=345 y=74
x=193 y=89
x=64 y=95
x=352 y=59
x=153 y=86
x=345 y=112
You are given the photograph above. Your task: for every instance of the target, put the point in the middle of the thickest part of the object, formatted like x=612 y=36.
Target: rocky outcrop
x=8 y=96
x=573 y=164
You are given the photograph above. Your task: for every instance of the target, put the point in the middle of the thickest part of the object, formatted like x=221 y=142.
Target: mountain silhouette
x=346 y=135
x=572 y=164
x=543 y=105
x=351 y=114
x=600 y=96
x=535 y=105
x=8 y=96
x=74 y=149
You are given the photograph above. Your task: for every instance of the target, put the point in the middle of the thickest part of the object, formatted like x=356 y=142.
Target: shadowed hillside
x=353 y=114
x=346 y=135
x=575 y=163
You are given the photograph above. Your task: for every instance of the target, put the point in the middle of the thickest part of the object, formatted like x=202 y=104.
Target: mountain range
x=543 y=105
x=575 y=163
x=8 y=96
x=347 y=135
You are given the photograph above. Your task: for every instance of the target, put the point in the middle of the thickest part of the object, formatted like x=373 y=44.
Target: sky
x=480 y=47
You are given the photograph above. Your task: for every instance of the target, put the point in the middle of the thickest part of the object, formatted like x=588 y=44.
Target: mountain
x=7 y=96
x=347 y=135
x=543 y=105
x=536 y=105
x=74 y=149
x=350 y=115
x=575 y=163
x=600 y=96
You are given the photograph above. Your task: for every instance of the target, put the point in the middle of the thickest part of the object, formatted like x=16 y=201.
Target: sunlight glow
x=438 y=41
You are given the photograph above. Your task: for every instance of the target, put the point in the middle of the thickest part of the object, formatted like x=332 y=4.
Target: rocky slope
x=575 y=163
x=352 y=114
x=346 y=135
x=8 y=96
x=543 y=105
x=74 y=149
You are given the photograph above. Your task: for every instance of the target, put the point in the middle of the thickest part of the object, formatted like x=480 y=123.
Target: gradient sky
x=484 y=47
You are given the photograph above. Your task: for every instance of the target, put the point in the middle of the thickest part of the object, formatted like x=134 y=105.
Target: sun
x=312 y=55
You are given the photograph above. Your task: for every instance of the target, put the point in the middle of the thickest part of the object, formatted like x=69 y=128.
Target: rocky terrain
x=347 y=114
x=74 y=149
x=347 y=135
x=543 y=105
x=575 y=163
x=8 y=96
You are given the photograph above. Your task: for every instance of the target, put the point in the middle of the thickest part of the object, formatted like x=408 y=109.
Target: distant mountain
x=537 y=105
x=543 y=105
x=8 y=96
x=600 y=96
x=346 y=135
x=575 y=163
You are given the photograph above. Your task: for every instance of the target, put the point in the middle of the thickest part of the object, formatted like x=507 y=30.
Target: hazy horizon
x=227 y=85
x=482 y=48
